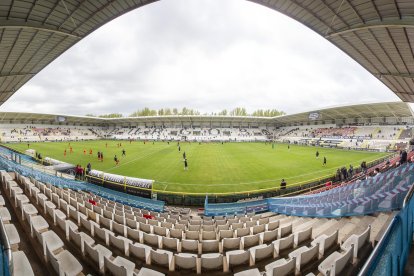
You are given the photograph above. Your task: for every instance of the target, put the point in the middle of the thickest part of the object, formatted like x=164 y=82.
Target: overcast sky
x=206 y=54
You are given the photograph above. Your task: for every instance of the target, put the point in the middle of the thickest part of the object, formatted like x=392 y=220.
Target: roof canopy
x=377 y=34
x=377 y=110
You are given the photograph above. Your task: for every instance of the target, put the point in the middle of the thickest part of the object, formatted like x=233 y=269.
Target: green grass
x=213 y=167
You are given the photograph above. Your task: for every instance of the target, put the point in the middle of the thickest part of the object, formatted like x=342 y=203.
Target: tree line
x=238 y=111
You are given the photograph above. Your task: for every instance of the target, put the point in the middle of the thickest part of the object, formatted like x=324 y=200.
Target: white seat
x=28 y=210
x=192 y=235
x=119 y=266
x=302 y=236
x=226 y=234
x=162 y=258
x=241 y=232
x=209 y=235
x=304 y=255
x=5 y=214
x=160 y=231
x=211 y=261
x=21 y=265
x=64 y=263
x=80 y=238
x=325 y=242
x=37 y=224
x=358 y=241
x=149 y=272
x=284 y=231
x=251 y=240
x=250 y=272
x=170 y=243
x=118 y=228
x=261 y=252
x=12 y=235
x=49 y=239
x=102 y=233
x=189 y=245
x=151 y=239
x=231 y=244
x=134 y=234
x=210 y=246
x=236 y=258
x=141 y=251
x=97 y=254
x=258 y=229
x=121 y=243
x=186 y=261
x=335 y=263
x=272 y=225
x=269 y=236
x=281 y=267
x=65 y=224
x=176 y=233
x=283 y=244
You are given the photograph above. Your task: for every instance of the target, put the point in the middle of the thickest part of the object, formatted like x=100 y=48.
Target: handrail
x=408 y=196
x=7 y=247
x=377 y=250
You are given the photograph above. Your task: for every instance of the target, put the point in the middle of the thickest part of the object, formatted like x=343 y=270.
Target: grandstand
x=51 y=224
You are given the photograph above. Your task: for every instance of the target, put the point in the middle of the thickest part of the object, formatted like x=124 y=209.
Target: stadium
x=326 y=191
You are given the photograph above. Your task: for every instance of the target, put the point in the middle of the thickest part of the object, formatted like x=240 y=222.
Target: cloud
x=205 y=54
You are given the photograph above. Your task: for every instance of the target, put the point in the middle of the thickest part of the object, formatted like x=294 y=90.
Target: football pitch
x=212 y=167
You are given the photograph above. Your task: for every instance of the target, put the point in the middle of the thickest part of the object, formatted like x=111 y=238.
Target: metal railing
x=7 y=251
x=391 y=253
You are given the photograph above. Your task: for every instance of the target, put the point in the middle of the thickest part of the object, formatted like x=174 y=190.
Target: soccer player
x=185 y=165
x=288 y=147
x=123 y=152
x=283 y=184
x=99 y=156
x=106 y=145
x=84 y=151
x=70 y=149
x=116 y=160
x=179 y=148
x=324 y=161
x=90 y=151
x=64 y=153
x=184 y=156
x=317 y=154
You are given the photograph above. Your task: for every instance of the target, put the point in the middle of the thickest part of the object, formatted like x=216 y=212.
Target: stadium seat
x=186 y=261
x=236 y=258
x=119 y=266
x=140 y=251
x=260 y=252
x=304 y=255
x=21 y=265
x=170 y=243
x=231 y=244
x=283 y=244
x=325 y=242
x=97 y=254
x=162 y=258
x=301 y=236
x=358 y=241
x=335 y=263
x=281 y=267
x=64 y=263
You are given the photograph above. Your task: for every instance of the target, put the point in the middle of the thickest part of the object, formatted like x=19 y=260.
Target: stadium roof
x=377 y=34
x=372 y=110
